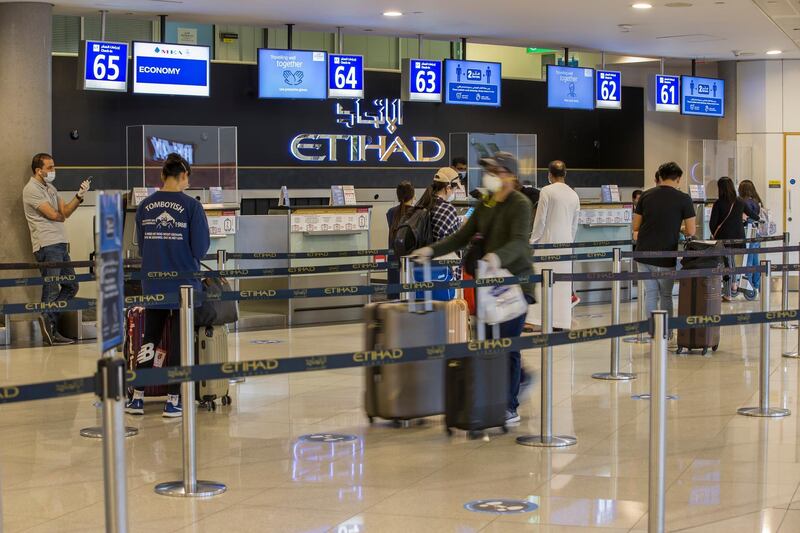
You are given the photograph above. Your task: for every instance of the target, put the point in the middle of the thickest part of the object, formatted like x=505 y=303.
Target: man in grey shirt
x=46 y=213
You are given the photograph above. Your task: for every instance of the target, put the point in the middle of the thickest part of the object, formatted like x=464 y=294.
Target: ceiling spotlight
x=392 y=13
x=642 y=5
x=774 y=52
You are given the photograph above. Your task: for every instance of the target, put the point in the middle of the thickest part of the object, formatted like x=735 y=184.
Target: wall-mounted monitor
x=103 y=66
x=472 y=83
x=570 y=87
x=299 y=74
x=174 y=69
x=703 y=97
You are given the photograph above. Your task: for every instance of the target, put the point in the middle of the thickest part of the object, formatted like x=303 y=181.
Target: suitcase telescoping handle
x=408 y=275
x=480 y=325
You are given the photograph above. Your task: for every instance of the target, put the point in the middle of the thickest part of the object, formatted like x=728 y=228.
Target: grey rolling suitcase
x=404 y=391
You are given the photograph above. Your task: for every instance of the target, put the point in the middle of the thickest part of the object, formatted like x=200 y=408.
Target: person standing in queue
x=748 y=193
x=657 y=221
x=503 y=219
x=556 y=222
x=394 y=216
x=45 y=213
x=727 y=222
x=173 y=236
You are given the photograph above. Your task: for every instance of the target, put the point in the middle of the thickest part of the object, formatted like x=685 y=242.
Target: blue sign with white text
x=105 y=66
x=425 y=80
x=608 y=90
x=702 y=96
x=570 y=87
x=111 y=296
x=668 y=89
x=166 y=70
x=292 y=74
x=472 y=83
x=345 y=76
x=174 y=69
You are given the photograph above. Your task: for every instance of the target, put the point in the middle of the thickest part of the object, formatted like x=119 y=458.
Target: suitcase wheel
x=226 y=400
x=715 y=348
x=504 y=428
x=679 y=350
x=705 y=351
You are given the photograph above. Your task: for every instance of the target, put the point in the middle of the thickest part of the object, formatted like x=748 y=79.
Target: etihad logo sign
x=591 y=333
x=266 y=293
x=378 y=356
x=40 y=306
x=783 y=315
x=261 y=367
x=145 y=299
x=703 y=320
x=341 y=290
x=59 y=279
x=489 y=345
x=385 y=114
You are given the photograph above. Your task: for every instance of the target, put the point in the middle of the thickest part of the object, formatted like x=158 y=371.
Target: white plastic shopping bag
x=499 y=304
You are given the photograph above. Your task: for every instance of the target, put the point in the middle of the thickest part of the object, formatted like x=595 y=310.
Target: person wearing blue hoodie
x=173 y=236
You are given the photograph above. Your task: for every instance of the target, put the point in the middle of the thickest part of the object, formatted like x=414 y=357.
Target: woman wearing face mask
x=503 y=220
x=437 y=199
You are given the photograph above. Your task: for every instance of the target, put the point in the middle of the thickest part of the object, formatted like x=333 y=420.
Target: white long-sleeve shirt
x=557 y=215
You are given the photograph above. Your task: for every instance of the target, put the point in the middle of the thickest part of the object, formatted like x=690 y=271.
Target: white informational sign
x=216 y=195
x=621 y=215
x=187 y=35
x=609 y=193
x=349 y=195
x=697 y=192
x=330 y=221
x=221 y=224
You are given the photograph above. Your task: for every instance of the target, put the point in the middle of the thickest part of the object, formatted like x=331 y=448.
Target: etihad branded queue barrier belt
x=273 y=366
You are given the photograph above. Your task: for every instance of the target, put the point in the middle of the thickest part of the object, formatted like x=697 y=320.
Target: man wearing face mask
x=503 y=220
x=46 y=213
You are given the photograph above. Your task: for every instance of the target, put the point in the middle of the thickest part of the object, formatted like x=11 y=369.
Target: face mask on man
x=50 y=177
x=492 y=182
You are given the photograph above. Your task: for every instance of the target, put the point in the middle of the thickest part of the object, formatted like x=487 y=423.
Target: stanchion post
x=189 y=486
x=546 y=439
x=222 y=259
x=642 y=337
x=763 y=409
x=785 y=286
x=658 y=422
x=111 y=371
x=616 y=286
x=795 y=354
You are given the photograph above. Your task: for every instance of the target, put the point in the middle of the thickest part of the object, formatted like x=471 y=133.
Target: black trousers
x=155 y=320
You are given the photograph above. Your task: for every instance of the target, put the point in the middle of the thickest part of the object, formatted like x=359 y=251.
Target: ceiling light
x=392 y=14
x=642 y=5
x=774 y=52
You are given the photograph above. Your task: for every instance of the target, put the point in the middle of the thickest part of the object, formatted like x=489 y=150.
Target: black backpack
x=415 y=231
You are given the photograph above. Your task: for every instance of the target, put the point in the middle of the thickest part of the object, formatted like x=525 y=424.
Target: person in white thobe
x=556 y=222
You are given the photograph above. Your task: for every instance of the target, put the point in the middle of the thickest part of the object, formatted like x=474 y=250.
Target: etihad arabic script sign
x=384 y=115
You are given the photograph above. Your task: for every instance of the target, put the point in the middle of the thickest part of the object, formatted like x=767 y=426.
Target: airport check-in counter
x=602 y=222
x=304 y=229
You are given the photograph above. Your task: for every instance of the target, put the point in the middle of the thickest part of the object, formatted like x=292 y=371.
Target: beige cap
x=446 y=175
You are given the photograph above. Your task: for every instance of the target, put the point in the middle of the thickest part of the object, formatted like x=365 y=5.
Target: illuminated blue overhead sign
x=345 y=76
x=608 y=90
x=702 y=96
x=422 y=80
x=570 y=87
x=667 y=93
x=173 y=69
x=292 y=74
x=104 y=66
x=472 y=83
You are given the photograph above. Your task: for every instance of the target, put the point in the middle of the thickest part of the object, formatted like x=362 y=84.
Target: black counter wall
x=601 y=146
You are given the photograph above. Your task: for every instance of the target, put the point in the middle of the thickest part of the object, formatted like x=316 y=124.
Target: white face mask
x=451 y=197
x=50 y=177
x=492 y=182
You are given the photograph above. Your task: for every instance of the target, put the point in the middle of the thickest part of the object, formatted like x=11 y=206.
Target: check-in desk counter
x=305 y=229
x=602 y=222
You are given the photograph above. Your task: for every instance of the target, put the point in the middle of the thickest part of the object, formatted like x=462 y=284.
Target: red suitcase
x=134 y=334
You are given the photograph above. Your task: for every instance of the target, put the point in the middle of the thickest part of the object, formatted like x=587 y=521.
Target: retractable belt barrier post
x=546 y=439
x=222 y=258
x=641 y=309
x=784 y=288
x=616 y=295
x=763 y=409
x=190 y=486
x=658 y=423
x=111 y=372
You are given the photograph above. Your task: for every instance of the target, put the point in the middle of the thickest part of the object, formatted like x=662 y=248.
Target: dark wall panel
x=600 y=146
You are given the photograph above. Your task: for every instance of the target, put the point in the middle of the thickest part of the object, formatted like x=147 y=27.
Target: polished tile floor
x=725 y=472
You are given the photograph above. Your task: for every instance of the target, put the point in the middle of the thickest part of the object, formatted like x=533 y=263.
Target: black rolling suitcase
x=476 y=390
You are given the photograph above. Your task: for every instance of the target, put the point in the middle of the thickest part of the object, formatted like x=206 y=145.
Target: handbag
x=499 y=304
x=213 y=311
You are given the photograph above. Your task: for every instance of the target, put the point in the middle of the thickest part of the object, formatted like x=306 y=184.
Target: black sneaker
x=46 y=335
x=61 y=340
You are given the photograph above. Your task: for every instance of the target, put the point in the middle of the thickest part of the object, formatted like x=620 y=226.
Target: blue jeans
x=658 y=292
x=55 y=291
x=753 y=260
x=517 y=374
